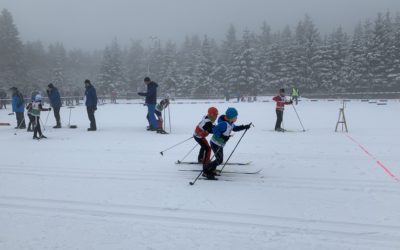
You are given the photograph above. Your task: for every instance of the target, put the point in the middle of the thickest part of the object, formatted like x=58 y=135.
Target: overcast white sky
x=91 y=24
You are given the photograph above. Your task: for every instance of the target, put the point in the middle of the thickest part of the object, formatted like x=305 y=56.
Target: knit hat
x=282 y=90
x=87 y=81
x=38 y=98
x=50 y=85
x=147 y=79
x=231 y=113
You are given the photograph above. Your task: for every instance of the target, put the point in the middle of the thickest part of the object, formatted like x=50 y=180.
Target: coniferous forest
x=249 y=62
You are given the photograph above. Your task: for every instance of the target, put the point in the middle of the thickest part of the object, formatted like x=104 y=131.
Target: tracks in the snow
x=171 y=175
x=355 y=233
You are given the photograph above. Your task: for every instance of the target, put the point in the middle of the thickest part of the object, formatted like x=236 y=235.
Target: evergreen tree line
x=252 y=63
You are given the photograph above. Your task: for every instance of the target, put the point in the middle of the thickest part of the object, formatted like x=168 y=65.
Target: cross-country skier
x=29 y=110
x=203 y=129
x=159 y=108
x=221 y=134
x=35 y=109
x=280 y=106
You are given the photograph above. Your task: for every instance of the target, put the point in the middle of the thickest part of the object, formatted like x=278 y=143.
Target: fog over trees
x=249 y=62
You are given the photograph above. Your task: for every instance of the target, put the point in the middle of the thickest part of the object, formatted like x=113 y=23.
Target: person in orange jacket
x=280 y=107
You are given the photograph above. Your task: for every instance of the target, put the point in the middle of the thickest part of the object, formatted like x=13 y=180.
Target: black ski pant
x=57 y=115
x=20 y=120
x=205 y=150
x=219 y=159
x=92 y=119
x=279 y=118
x=37 y=130
x=31 y=124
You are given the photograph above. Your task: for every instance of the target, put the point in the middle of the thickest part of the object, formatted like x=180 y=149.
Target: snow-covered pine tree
x=12 y=69
x=203 y=75
x=136 y=66
x=57 y=59
x=307 y=42
x=111 y=72
x=248 y=75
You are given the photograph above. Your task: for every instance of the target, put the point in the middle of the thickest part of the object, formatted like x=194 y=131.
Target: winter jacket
x=204 y=128
x=91 y=96
x=151 y=94
x=281 y=102
x=54 y=97
x=295 y=92
x=18 y=102
x=222 y=131
x=35 y=108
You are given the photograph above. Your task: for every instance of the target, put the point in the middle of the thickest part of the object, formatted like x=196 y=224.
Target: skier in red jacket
x=203 y=129
x=280 y=106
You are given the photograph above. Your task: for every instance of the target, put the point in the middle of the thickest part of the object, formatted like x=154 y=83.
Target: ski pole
x=188 y=153
x=162 y=152
x=299 y=118
x=237 y=144
x=47 y=117
x=19 y=125
x=164 y=120
x=40 y=120
x=169 y=118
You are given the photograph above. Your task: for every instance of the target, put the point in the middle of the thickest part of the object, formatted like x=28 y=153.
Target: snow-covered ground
x=111 y=189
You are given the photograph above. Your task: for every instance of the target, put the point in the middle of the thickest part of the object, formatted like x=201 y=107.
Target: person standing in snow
x=151 y=101
x=280 y=107
x=18 y=107
x=202 y=130
x=55 y=102
x=91 y=104
x=35 y=109
x=221 y=135
x=3 y=101
x=295 y=95
x=159 y=108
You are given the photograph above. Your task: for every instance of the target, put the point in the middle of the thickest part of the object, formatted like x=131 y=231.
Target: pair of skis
x=228 y=171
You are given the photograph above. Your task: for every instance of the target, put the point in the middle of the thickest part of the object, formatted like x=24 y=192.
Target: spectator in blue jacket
x=55 y=102
x=151 y=101
x=18 y=107
x=91 y=104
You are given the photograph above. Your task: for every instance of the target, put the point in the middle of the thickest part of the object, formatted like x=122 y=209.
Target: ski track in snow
x=368 y=234
x=369 y=186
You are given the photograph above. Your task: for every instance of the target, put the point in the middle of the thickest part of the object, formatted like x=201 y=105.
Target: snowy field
x=111 y=189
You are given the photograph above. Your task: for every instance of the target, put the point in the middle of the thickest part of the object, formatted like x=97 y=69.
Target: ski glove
x=49 y=109
x=247 y=126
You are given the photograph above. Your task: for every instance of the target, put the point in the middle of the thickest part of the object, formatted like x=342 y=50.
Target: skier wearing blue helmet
x=221 y=134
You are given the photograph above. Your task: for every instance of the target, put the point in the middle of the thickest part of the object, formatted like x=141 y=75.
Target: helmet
x=231 y=113
x=38 y=98
x=212 y=111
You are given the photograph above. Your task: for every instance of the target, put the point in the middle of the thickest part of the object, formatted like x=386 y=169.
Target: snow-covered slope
x=111 y=189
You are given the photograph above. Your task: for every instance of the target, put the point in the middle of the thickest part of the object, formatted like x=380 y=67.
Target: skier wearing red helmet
x=203 y=129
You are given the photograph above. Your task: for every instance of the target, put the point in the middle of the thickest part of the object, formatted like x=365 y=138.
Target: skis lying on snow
x=228 y=171
x=229 y=163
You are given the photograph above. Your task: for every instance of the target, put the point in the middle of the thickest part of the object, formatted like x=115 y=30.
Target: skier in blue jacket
x=18 y=107
x=221 y=135
x=151 y=101
x=91 y=104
